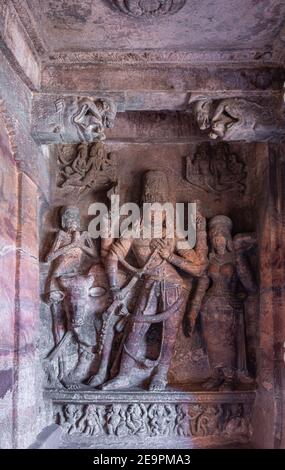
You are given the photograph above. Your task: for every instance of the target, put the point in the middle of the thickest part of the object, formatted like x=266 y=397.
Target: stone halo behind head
x=143 y=9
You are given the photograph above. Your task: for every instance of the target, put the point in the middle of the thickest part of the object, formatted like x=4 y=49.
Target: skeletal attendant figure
x=163 y=293
x=65 y=257
x=67 y=250
x=220 y=301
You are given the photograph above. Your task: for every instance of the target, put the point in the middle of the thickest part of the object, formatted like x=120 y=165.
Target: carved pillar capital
x=72 y=119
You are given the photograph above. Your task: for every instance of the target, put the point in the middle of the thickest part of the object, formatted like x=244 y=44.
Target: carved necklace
x=224 y=258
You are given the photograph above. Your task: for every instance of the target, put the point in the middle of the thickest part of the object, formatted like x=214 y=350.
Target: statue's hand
x=55 y=297
x=165 y=252
x=200 y=222
x=116 y=293
x=244 y=241
x=163 y=247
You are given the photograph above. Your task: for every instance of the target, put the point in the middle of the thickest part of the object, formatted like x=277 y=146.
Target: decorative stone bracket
x=71 y=119
x=240 y=119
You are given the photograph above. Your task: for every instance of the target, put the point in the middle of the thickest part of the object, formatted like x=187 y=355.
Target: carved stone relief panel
x=216 y=169
x=92 y=349
x=127 y=420
x=83 y=168
x=144 y=313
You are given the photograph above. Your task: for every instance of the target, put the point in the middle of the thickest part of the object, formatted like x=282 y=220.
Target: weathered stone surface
x=18 y=47
x=20 y=377
x=65 y=25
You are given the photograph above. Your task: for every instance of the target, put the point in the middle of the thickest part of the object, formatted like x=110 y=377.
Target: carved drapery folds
x=73 y=119
x=239 y=119
x=147 y=9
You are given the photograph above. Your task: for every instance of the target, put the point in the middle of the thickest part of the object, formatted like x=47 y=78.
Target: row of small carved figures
x=153 y=420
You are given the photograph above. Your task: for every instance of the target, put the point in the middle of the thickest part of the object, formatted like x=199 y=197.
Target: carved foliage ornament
x=148 y=8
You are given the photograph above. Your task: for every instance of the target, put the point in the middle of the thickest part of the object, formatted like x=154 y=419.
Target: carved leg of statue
x=124 y=378
x=101 y=374
x=216 y=379
x=134 y=345
x=219 y=328
x=170 y=327
x=73 y=381
x=229 y=382
x=159 y=378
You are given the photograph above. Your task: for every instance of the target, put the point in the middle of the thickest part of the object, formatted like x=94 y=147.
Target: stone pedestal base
x=139 y=419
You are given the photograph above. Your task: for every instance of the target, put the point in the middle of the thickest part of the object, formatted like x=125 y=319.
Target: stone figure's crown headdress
x=221 y=220
x=155 y=187
x=66 y=211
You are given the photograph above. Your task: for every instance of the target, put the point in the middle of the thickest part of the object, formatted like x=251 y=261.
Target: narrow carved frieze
x=155 y=420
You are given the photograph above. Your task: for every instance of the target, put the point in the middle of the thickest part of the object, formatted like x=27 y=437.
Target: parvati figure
x=222 y=302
